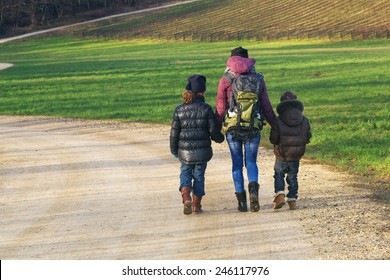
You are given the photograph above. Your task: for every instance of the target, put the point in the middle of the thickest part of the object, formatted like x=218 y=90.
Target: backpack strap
x=260 y=79
x=229 y=76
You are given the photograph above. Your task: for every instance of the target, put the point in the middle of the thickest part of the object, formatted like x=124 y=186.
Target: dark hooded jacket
x=191 y=129
x=290 y=131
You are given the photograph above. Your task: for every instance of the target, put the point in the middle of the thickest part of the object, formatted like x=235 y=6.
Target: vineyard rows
x=214 y=20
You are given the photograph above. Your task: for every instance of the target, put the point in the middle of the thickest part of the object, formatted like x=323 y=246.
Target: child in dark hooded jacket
x=290 y=133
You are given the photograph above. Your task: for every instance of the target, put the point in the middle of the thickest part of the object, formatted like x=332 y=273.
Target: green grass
x=344 y=86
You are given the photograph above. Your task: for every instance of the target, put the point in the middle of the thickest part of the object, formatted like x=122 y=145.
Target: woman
x=239 y=64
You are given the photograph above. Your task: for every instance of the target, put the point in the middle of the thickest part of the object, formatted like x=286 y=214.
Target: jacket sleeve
x=274 y=134
x=221 y=103
x=175 y=132
x=266 y=105
x=214 y=129
x=309 y=134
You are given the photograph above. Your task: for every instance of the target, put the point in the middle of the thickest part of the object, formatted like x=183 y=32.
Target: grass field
x=344 y=86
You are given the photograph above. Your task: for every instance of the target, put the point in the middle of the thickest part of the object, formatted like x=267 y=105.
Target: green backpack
x=244 y=118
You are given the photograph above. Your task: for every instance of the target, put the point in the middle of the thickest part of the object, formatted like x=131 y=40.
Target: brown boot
x=186 y=195
x=292 y=204
x=279 y=200
x=196 y=206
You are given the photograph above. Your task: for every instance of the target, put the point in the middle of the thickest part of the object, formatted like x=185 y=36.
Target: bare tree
x=34 y=13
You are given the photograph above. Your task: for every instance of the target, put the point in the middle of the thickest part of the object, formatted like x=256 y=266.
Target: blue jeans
x=192 y=175
x=240 y=157
x=290 y=168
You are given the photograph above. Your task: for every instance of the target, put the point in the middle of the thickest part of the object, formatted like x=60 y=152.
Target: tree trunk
x=2 y=7
x=33 y=13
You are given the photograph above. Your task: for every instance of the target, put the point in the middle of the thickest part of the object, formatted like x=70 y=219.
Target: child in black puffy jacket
x=193 y=126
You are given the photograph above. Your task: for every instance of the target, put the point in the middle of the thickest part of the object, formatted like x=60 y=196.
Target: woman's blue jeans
x=290 y=168
x=243 y=152
x=192 y=175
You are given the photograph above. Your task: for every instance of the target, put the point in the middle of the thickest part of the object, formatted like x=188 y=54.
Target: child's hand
x=219 y=139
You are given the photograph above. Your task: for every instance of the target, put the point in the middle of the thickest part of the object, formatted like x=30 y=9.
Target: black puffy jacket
x=290 y=131
x=191 y=129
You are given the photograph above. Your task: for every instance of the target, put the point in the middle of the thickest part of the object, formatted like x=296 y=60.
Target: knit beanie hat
x=288 y=95
x=196 y=84
x=240 y=52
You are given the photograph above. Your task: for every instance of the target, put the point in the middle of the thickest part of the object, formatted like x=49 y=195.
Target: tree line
x=37 y=13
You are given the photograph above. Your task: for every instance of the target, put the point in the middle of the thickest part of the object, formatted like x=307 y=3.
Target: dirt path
x=73 y=189
x=92 y=21
x=4 y=66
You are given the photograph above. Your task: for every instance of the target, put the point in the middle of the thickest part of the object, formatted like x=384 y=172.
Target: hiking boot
x=186 y=195
x=241 y=198
x=196 y=206
x=279 y=200
x=254 y=196
x=292 y=204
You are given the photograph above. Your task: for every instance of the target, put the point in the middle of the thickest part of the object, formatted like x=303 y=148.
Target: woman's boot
x=196 y=206
x=254 y=196
x=186 y=195
x=241 y=197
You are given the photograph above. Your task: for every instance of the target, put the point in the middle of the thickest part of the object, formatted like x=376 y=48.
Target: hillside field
x=344 y=86
x=222 y=20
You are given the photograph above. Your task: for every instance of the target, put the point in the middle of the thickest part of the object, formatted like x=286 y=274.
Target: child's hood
x=240 y=64
x=290 y=112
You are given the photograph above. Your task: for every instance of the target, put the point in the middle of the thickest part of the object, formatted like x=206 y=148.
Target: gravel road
x=78 y=189
x=74 y=189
